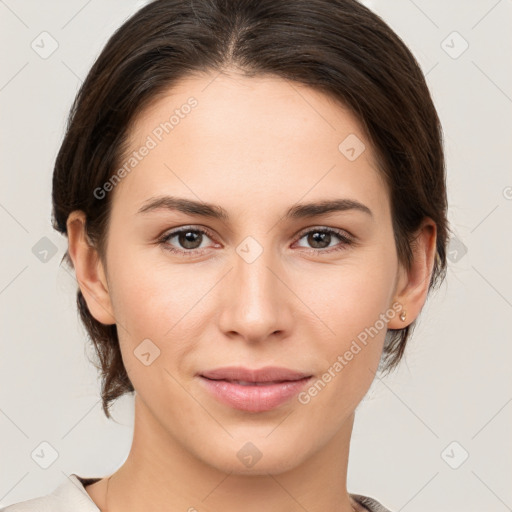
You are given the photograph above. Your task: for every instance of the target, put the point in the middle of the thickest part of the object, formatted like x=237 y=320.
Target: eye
x=321 y=238
x=188 y=238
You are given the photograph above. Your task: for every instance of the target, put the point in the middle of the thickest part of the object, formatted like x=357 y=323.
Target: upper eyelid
x=176 y=231
x=338 y=231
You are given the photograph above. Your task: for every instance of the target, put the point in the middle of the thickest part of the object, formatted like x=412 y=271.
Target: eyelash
x=194 y=252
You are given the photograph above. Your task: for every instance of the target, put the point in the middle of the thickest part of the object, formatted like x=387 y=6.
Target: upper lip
x=266 y=374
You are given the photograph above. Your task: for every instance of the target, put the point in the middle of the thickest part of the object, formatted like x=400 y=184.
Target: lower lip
x=254 y=398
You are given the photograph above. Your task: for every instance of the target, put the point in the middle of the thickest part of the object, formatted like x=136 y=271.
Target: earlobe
x=89 y=269
x=412 y=285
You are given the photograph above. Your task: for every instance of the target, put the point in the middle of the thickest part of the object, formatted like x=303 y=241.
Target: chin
x=252 y=456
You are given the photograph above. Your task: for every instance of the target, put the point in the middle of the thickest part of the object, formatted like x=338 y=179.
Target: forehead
x=218 y=137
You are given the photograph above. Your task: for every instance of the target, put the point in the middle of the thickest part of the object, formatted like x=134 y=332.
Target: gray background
x=451 y=397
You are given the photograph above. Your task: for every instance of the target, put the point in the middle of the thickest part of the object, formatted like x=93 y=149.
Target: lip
x=272 y=386
x=266 y=374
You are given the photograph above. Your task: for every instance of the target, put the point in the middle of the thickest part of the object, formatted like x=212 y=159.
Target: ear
x=412 y=285
x=89 y=269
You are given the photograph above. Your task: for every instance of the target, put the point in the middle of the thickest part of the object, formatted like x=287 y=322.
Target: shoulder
x=366 y=503
x=69 y=495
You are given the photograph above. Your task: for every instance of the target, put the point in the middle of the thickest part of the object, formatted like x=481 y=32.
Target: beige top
x=71 y=496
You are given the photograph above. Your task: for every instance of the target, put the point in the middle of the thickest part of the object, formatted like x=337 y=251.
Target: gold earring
x=403 y=315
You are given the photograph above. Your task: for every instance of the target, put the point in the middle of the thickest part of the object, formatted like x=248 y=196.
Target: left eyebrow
x=299 y=211
x=309 y=210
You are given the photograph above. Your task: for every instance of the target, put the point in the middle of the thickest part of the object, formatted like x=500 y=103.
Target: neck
x=160 y=474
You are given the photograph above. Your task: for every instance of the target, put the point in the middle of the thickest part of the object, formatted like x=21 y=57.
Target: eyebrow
x=298 y=211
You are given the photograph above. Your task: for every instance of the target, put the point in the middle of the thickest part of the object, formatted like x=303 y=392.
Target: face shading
x=254 y=230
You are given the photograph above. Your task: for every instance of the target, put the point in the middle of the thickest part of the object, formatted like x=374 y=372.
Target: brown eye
x=320 y=239
x=188 y=240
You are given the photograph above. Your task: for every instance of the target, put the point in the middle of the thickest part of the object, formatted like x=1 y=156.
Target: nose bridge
x=254 y=306
x=252 y=273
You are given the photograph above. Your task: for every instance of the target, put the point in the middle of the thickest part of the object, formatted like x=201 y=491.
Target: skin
x=255 y=146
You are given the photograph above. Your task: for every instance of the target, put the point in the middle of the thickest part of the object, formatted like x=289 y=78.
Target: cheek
x=154 y=302
x=163 y=301
x=151 y=294
x=350 y=296
x=168 y=303
x=353 y=303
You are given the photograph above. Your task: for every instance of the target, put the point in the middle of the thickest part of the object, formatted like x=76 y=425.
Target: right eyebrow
x=183 y=205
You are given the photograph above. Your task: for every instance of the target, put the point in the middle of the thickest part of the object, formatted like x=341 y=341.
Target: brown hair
x=338 y=47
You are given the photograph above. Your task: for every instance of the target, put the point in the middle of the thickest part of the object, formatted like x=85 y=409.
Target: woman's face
x=265 y=285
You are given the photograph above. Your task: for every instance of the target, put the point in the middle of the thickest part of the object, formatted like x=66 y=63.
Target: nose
x=255 y=300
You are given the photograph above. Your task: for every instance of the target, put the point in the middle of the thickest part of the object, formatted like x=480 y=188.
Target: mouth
x=268 y=374
x=253 y=390
x=248 y=383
